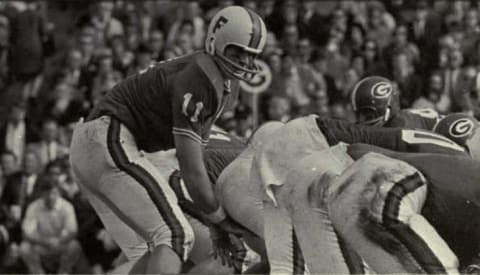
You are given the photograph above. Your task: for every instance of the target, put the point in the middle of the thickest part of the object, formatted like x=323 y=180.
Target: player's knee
x=180 y=239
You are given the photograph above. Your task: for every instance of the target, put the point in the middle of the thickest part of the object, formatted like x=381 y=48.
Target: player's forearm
x=200 y=189
x=194 y=174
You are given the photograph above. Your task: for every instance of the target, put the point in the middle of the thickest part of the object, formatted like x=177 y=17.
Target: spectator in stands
x=374 y=63
x=4 y=40
x=183 y=45
x=320 y=65
x=425 y=29
x=400 y=43
x=17 y=131
x=304 y=52
x=337 y=60
x=28 y=46
x=50 y=230
x=48 y=148
x=132 y=34
x=157 y=44
x=294 y=80
x=408 y=83
x=355 y=38
x=106 y=26
x=380 y=24
x=9 y=163
x=271 y=45
x=471 y=34
x=106 y=76
x=145 y=19
x=289 y=39
x=279 y=109
x=434 y=97
x=358 y=64
x=23 y=189
x=87 y=47
x=190 y=13
x=457 y=83
x=143 y=59
x=346 y=86
x=66 y=102
x=122 y=57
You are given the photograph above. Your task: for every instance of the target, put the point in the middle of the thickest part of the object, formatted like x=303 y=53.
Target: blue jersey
x=397 y=139
x=220 y=151
x=182 y=96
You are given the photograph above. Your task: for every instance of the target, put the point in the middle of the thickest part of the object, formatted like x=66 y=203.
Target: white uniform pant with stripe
x=375 y=207
x=130 y=194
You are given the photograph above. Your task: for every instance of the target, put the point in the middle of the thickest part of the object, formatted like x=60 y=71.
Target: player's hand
x=228 y=247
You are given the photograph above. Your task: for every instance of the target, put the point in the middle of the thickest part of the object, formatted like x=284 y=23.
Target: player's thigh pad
x=235 y=195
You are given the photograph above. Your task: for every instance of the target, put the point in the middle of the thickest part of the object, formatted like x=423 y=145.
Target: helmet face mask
x=235 y=37
x=238 y=62
x=370 y=117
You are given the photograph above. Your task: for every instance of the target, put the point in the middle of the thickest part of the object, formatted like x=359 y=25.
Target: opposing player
x=458 y=127
x=171 y=105
x=297 y=140
x=451 y=206
x=375 y=101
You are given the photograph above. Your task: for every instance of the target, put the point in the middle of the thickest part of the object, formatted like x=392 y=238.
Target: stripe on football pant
x=143 y=177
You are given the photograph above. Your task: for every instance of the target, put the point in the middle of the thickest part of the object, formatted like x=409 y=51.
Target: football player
x=298 y=139
x=170 y=105
x=451 y=206
x=375 y=100
x=458 y=127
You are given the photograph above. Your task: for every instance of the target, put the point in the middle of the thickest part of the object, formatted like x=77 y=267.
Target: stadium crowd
x=58 y=58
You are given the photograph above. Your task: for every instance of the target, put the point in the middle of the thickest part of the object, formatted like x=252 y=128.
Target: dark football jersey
x=182 y=96
x=220 y=151
x=425 y=119
x=452 y=205
x=397 y=139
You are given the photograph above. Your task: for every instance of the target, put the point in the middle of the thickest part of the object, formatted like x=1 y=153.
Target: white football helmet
x=241 y=27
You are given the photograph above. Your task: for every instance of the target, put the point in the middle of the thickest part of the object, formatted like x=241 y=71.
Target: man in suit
x=424 y=31
x=457 y=83
x=17 y=131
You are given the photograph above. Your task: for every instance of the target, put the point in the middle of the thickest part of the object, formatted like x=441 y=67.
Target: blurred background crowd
x=58 y=58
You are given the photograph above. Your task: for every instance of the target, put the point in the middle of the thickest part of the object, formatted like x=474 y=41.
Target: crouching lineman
x=375 y=101
x=298 y=139
x=171 y=105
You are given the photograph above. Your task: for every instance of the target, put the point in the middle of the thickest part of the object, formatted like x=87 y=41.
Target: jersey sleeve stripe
x=187 y=133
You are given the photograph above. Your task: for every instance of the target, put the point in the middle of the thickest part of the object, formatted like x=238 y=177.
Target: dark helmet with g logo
x=458 y=127
x=374 y=100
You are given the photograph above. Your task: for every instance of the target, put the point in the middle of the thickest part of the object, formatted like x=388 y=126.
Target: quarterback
x=172 y=105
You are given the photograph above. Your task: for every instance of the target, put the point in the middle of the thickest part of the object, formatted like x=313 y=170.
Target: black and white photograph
x=227 y=137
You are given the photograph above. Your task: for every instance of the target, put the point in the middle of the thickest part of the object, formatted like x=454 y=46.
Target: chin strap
x=236 y=70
